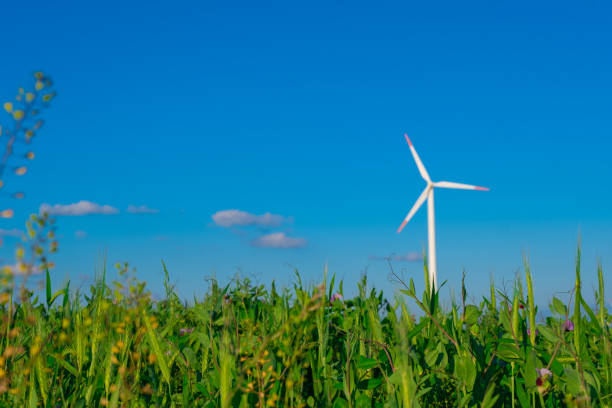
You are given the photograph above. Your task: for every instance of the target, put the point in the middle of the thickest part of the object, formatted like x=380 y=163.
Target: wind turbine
x=428 y=194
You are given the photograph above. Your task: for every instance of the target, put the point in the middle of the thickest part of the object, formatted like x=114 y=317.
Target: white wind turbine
x=428 y=194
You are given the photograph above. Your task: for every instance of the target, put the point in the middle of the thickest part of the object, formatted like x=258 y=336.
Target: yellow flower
x=2 y=372
x=120 y=344
x=65 y=323
x=113 y=388
x=152 y=358
x=29 y=97
x=8 y=107
x=114 y=350
x=18 y=115
x=39 y=85
x=34 y=350
x=103 y=401
x=4 y=298
x=114 y=360
x=63 y=337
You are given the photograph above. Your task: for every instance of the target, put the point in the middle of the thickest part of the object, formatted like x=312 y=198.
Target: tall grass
x=244 y=345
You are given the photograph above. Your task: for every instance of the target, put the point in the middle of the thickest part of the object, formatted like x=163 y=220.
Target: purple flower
x=543 y=372
x=542 y=381
x=184 y=331
x=335 y=296
x=568 y=325
x=529 y=332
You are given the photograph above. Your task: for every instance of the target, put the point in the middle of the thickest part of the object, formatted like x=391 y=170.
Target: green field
x=247 y=345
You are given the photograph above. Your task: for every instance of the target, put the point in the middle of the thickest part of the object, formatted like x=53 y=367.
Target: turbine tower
x=428 y=194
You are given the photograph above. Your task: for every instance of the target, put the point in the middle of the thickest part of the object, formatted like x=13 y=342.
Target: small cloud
x=238 y=218
x=23 y=269
x=80 y=234
x=141 y=209
x=278 y=240
x=409 y=257
x=11 y=233
x=83 y=207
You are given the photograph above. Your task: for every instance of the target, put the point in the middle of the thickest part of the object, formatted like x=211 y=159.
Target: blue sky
x=299 y=110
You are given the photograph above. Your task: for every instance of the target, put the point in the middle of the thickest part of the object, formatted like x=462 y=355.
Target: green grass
x=245 y=345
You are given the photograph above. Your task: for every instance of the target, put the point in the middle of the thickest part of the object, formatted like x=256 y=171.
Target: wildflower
x=114 y=360
x=103 y=401
x=335 y=296
x=568 y=325
x=65 y=323
x=152 y=358
x=184 y=331
x=226 y=299
x=529 y=332
x=113 y=388
x=542 y=382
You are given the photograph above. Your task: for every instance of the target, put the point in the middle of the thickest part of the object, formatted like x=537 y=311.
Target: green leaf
x=472 y=314
x=48 y=285
x=489 y=398
x=592 y=316
x=367 y=363
x=572 y=379
x=522 y=395
x=547 y=333
x=529 y=373
x=340 y=403
x=370 y=383
x=508 y=352
x=558 y=307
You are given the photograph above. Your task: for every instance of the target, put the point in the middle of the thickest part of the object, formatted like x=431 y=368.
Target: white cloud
x=141 y=209
x=24 y=269
x=278 y=240
x=409 y=257
x=80 y=234
x=11 y=233
x=238 y=218
x=83 y=207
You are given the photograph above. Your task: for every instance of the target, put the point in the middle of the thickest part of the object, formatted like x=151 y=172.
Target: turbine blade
x=415 y=207
x=449 y=184
x=418 y=161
